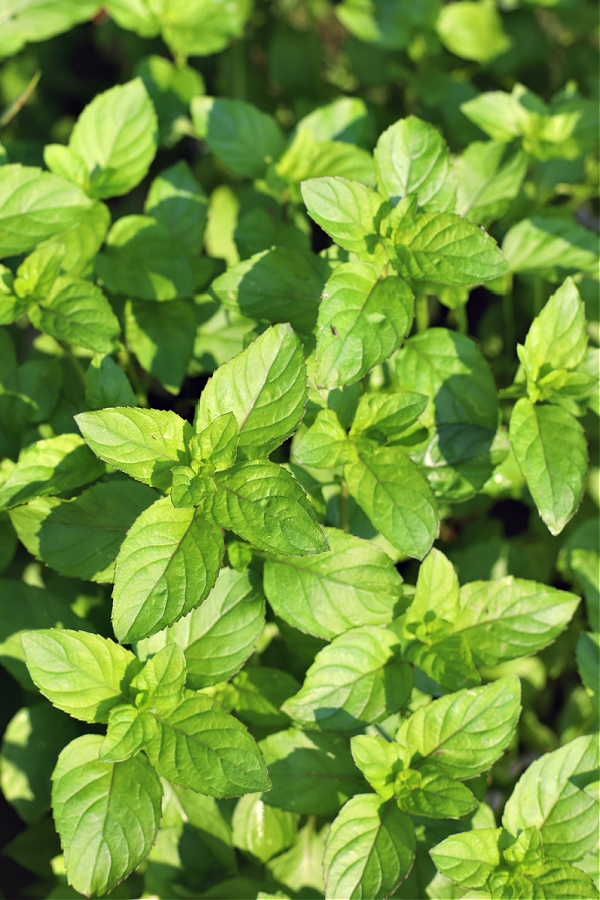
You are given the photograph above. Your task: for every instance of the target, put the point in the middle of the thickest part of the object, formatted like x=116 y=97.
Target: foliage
x=298 y=421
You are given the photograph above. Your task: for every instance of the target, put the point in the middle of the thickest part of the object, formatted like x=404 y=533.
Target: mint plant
x=299 y=479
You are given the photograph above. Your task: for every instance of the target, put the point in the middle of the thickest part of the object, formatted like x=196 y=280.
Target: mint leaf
x=115 y=136
x=265 y=505
x=262 y=830
x=325 y=444
x=203 y=748
x=557 y=337
x=143 y=443
x=179 y=204
x=489 y=176
x=283 y=284
x=550 y=448
x=244 y=139
x=354 y=583
x=355 y=680
x=35 y=205
x=215 y=448
x=379 y=760
x=511 y=617
x=347 y=211
x=107 y=385
x=469 y=859
x=50 y=466
x=83 y=674
x=80 y=538
x=77 y=312
x=162 y=337
x=167 y=565
x=107 y=814
x=473 y=31
x=557 y=794
x=434 y=795
x=258 y=693
x=552 y=247
x=395 y=495
x=411 y=157
x=312 y=773
x=444 y=248
x=370 y=849
x=141 y=259
x=218 y=636
x=362 y=320
x=464 y=732
x=382 y=416
x=129 y=731
x=264 y=387
x=161 y=681
x=38 y=271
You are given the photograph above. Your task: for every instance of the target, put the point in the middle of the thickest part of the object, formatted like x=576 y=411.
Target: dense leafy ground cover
x=299 y=432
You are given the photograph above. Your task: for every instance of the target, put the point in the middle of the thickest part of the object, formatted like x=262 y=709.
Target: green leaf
x=50 y=466
x=83 y=674
x=171 y=87
x=218 y=636
x=552 y=247
x=307 y=158
x=116 y=138
x=32 y=741
x=379 y=760
x=129 y=731
x=465 y=732
x=411 y=157
x=198 y=28
x=265 y=505
x=463 y=407
x=347 y=211
x=443 y=248
x=258 y=693
x=551 y=880
x=497 y=113
x=382 y=416
x=106 y=384
x=312 y=773
x=264 y=387
x=262 y=830
x=355 y=680
x=80 y=538
x=551 y=451
x=362 y=320
x=556 y=794
x=22 y=608
x=180 y=205
x=436 y=795
x=107 y=814
x=161 y=681
x=435 y=604
x=386 y=24
x=283 y=284
x=83 y=239
x=35 y=205
x=244 y=139
x=77 y=312
x=37 y=20
x=353 y=584
x=445 y=658
x=473 y=30
x=557 y=337
x=587 y=653
x=344 y=119
x=203 y=748
x=511 y=617
x=215 y=448
x=162 y=337
x=38 y=271
x=141 y=259
x=394 y=493
x=470 y=858
x=143 y=443
x=300 y=868
x=166 y=566
x=325 y=444
x=370 y=849
x=489 y=176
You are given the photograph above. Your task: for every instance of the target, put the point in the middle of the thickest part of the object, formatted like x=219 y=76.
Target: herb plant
x=299 y=478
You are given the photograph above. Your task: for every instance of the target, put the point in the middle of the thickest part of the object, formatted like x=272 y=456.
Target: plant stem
x=11 y=111
x=79 y=371
x=344 y=524
x=462 y=323
x=421 y=309
x=508 y=315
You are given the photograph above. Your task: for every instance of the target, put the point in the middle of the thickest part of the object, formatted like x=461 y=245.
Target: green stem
x=462 y=323
x=11 y=111
x=344 y=524
x=79 y=371
x=421 y=309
